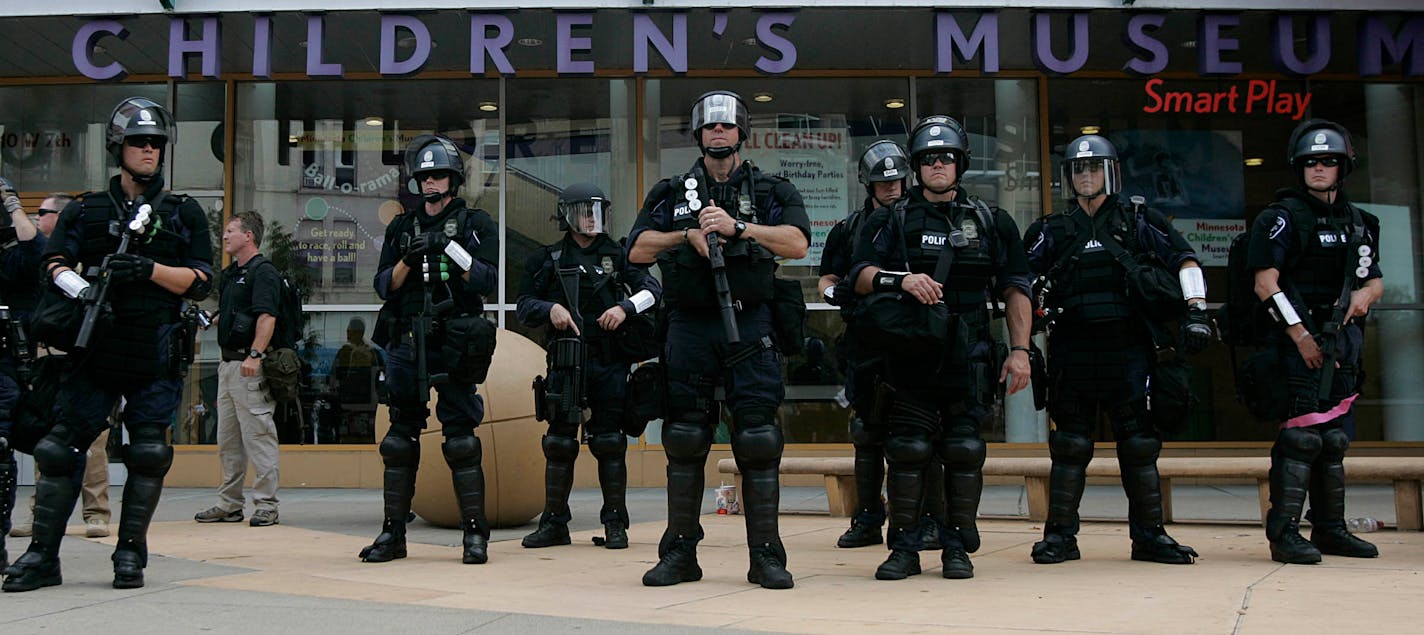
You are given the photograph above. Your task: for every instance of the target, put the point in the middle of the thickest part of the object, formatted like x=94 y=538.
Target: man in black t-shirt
x=247 y=319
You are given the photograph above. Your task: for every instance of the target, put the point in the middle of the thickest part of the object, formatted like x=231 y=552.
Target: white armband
x=642 y=301
x=1284 y=309
x=71 y=283
x=1193 y=283
x=459 y=255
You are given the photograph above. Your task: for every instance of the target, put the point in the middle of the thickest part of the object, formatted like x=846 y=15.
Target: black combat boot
x=955 y=563
x=1055 y=547
x=39 y=565
x=615 y=535
x=864 y=530
x=475 y=542
x=389 y=545
x=768 y=567
x=962 y=490
x=1289 y=479
x=550 y=533
x=141 y=494
x=900 y=565
x=1152 y=544
x=677 y=562
x=1327 y=506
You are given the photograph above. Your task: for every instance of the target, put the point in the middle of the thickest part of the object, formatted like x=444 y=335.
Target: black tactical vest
x=599 y=281
x=102 y=220
x=927 y=231
x=1091 y=289
x=751 y=268
x=1318 y=273
x=451 y=221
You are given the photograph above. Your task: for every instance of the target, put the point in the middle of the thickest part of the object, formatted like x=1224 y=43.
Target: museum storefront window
x=1211 y=154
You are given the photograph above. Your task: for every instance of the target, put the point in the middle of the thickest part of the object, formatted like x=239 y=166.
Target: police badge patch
x=451 y=227
x=971 y=230
x=607 y=263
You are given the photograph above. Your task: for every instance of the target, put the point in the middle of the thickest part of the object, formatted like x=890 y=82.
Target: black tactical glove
x=1196 y=331
x=130 y=268
x=415 y=250
x=435 y=242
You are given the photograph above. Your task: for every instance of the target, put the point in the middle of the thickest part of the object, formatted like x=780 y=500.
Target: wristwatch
x=739 y=227
x=254 y=353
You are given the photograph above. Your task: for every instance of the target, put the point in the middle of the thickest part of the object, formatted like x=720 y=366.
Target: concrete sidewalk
x=303 y=575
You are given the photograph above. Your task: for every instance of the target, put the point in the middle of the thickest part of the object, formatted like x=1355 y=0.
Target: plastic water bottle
x=1363 y=525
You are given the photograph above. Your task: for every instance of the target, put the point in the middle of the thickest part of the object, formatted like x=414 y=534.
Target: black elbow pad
x=199 y=289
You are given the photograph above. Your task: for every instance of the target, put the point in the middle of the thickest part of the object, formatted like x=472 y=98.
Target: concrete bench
x=1406 y=473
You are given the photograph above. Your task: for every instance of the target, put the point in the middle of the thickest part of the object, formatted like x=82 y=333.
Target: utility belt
x=234 y=355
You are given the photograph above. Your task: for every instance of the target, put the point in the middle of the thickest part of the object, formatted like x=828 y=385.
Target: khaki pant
x=246 y=432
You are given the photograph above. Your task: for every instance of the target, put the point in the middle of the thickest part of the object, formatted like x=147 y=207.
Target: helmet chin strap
x=143 y=179
x=722 y=152
x=943 y=191
x=434 y=197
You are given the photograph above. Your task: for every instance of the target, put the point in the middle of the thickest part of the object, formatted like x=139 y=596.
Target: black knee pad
x=149 y=458
x=1333 y=444
x=56 y=459
x=865 y=436
x=560 y=449
x=684 y=441
x=757 y=446
x=399 y=450
x=1301 y=444
x=962 y=453
x=910 y=450
x=1139 y=449
x=465 y=451
x=1070 y=448
x=608 y=445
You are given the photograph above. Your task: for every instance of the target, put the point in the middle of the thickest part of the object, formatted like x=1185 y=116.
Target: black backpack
x=290 y=319
x=1243 y=319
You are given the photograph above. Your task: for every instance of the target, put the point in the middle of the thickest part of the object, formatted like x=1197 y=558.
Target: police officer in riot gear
x=20 y=247
x=593 y=298
x=884 y=170
x=133 y=353
x=1099 y=345
x=438 y=262
x=1309 y=250
x=755 y=218
x=941 y=255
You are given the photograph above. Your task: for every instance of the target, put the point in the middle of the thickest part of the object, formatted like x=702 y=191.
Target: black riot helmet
x=724 y=107
x=938 y=133
x=1320 y=137
x=1090 y=153
x=882 y=162
x=138 y=117
x=433 y=153
x=578 y=204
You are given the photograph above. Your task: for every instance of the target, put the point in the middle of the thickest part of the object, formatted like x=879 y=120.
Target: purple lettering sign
x=481 y=45
x=391 y=25
x=208 y=48
x=773 y=42
x=262 y=46
x=1211 y=43
x=646 y=34
x=949 y=39
x=315 y=67
x=1043 y=56
x=1151 y=53
x=1317 y=45
x=1376 y=42
x=564 y=25
x=82 y=48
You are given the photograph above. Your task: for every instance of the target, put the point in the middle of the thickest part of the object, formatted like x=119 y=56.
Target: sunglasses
x=725 y=126
x=931 y=158
x=1087 y=166
x=145 y=141
x=42 y=211
x=1328 y=162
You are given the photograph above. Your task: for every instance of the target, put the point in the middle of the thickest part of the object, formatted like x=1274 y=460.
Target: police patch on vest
x=607 y=263
x=932 y=240
x=680 y=211
x=1331 y=238
x=452 y=227
x=971 y=230
x=1093 y=245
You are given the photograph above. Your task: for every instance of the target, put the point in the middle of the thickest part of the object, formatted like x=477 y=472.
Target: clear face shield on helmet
x=1090 y=177
x=585 y=217
x=883 y=161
